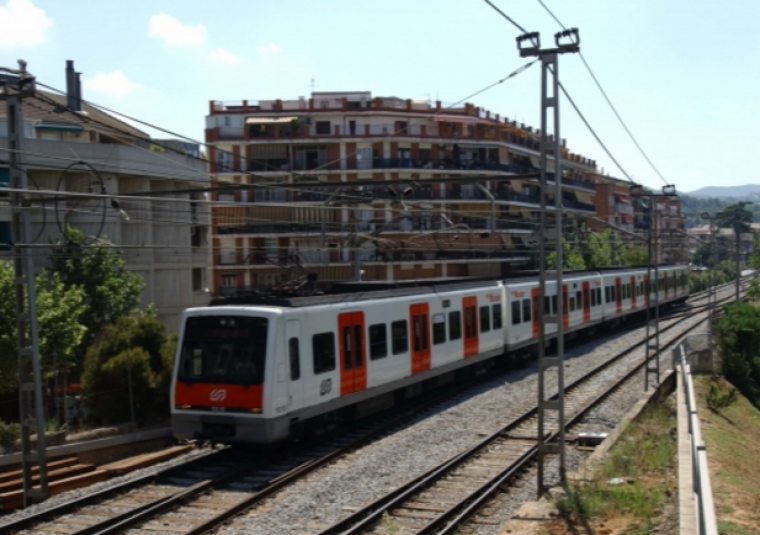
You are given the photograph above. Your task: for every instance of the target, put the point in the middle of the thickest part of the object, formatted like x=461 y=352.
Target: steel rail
x=371 y=514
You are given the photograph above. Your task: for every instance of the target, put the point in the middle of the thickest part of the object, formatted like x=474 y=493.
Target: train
x=261 y=370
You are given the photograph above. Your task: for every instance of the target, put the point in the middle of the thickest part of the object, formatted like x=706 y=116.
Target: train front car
x=222 y=372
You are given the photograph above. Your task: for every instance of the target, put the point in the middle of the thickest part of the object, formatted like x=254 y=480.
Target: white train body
x=252 y=374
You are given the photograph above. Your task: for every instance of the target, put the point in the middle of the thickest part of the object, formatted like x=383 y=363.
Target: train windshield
x=223 y=349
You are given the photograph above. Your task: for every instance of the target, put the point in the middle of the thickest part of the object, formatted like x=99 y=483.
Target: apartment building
x=164 y=240
x=617 y=206
x=312 y=196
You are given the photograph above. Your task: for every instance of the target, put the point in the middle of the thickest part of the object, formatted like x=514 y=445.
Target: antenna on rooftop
x=313 y=84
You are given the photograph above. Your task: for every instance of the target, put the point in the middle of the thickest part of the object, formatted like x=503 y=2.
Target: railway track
x=212 y=491
x=445 y=497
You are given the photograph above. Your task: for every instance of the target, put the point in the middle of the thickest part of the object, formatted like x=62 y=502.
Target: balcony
x=621 y=208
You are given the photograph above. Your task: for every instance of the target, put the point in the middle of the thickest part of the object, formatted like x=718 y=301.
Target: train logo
x=218 y=394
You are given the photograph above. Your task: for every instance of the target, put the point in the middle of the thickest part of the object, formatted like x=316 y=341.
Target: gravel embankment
x=365 y=475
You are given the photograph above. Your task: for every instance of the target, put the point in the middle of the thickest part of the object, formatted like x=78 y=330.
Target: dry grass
x=732 y=438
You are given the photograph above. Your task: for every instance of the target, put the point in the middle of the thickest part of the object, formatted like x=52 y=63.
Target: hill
x=749 y=190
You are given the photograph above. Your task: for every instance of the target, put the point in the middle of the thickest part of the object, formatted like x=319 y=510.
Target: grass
x=732 y=438
x=642 y=457
x=388 y=526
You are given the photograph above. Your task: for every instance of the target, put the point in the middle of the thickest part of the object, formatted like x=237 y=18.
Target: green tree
x=106 y=368
x=738 y=338
x=633 y=255
x=111 y=292
x=599 y=249
x=571 y=257
x=60 y=310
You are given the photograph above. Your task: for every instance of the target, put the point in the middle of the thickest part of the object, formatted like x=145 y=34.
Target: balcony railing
x=623 y=208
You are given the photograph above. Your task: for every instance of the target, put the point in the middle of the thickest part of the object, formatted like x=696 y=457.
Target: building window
x=229 y=280
x=455 y=325
x=323 y=127
x=295 y=359
x=198 y=279
x=378 y=341
x=223 y=161
x=400 y=337
x=323 y=350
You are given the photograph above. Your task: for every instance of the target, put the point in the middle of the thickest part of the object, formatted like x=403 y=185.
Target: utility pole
x=529 y=44
x=15 y=85
x=711 y=296
x=652 y=284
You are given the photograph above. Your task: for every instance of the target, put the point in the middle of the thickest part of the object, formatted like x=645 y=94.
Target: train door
x=353 y=358
x=634 y=289
x=535 y=294
x=419 y=318
x=618 y=296
x=565 y=307
x=586 y=303
x=470 y=320
x=295 y=382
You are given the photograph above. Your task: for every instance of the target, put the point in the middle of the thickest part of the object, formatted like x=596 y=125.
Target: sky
x=682 y=74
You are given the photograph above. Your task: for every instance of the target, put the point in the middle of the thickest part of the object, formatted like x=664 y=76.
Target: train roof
x=357 y=291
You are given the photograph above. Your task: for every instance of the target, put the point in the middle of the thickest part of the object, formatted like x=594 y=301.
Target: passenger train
x=263 y=371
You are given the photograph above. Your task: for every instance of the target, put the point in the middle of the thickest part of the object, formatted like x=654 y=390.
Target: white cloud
x=114 y=84
x=225 y=56
x=173 y=32
x=23 y=24
x=271 y=48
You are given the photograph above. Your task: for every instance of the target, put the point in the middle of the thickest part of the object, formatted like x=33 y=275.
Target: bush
x=143 y=344
x=108 y=388
x=719 y=398
x=9 y=434
x=738 y=337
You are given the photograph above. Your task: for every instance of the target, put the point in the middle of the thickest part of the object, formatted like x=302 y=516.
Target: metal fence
x=682 y=354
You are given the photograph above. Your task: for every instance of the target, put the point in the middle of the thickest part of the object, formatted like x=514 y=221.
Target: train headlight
x=184 y=407
x=255 y=411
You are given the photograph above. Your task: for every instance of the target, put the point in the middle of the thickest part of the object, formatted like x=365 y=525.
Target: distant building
x=164 y=242
x=267 y=235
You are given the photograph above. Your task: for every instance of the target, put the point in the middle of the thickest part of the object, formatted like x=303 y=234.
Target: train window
x=485 y=319
x=455 y=325
x=323 y=349
x=572 y=305
x=599 y=296
x=515 y=312
x=578 y=300
x=295 y=359
x=400 y=337
x=526 y=310
x=223 y=349
x=496 y=315
x=439 y=328
x=424 y=325
x=378 y=341
x=358 y=352
x=547 y=306
x=606 y=294
x=593 y=298
x=613 y=297
x=554 y=304
x=347 y=363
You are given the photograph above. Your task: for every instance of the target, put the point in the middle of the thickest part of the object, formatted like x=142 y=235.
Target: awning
x=268 y=150
x=269 y=120
x=58 y=127
x=536 y=161
x=458 y=119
